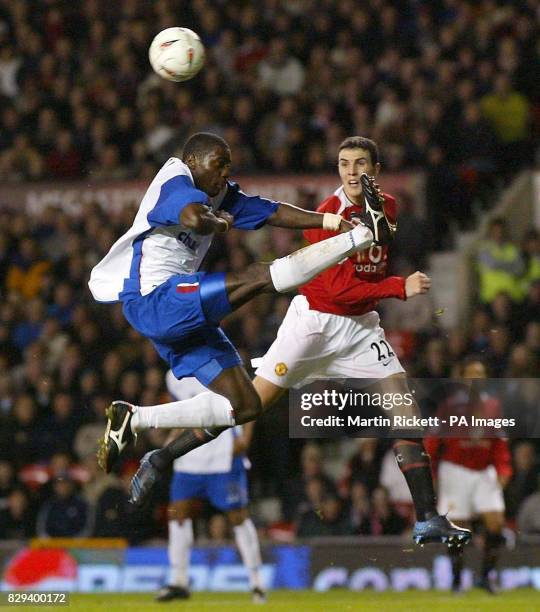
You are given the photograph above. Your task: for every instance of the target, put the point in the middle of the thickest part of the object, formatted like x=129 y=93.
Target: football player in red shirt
x=331 y=331
x=471 y=474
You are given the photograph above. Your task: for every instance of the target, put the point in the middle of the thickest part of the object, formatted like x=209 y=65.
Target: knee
x=247 y=407
x=259 y=274
x=237 y=517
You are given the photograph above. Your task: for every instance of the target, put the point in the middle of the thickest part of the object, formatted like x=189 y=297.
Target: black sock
x=414 y=463
x=491 y=552
x=456 y=558
x=187 y=441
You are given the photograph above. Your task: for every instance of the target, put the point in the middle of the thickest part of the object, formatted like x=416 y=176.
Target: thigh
x=363 y=351
x=228 y=491
x=170 y=312
x=204 y=355
x=302 y=349
x=488 y=495
x=244 y=286
x=186 y=486
x=456 y=490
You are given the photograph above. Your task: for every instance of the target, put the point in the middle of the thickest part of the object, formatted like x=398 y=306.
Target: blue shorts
x=225 y=492
x=181 y=319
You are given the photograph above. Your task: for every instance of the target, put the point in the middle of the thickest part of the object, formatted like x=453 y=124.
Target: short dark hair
x=359 y=142
x=201 y=144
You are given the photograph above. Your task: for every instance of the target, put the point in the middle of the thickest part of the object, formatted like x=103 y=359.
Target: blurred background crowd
x=448 y=86
x=445 y=86
x=63 y=359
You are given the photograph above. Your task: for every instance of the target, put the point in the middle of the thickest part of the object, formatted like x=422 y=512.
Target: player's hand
x=224 y=216
x=417 y=284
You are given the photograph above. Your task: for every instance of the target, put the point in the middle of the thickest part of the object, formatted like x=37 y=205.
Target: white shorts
x=312 y=345
x=464 y=493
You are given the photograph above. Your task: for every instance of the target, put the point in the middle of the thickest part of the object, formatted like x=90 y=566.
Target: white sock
x=204 y=410
x=180 y=542
x=301 y=266
x=248 y=545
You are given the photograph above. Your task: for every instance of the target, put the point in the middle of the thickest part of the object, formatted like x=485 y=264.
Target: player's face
x=211 y=172
x=474 y=370
x=351 y=164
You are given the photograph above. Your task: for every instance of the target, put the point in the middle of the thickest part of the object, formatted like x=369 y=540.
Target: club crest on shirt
x=281 y=369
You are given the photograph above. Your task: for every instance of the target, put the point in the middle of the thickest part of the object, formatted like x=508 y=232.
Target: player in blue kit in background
x=153 y=270
x=215 y=473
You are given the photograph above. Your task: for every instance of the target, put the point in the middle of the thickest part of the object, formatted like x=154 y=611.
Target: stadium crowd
x=445 y=86
x=63 y=359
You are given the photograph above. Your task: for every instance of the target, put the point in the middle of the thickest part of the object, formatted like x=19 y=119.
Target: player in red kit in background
x=332 y=331
x=472 y=473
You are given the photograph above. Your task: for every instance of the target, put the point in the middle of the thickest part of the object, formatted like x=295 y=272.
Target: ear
x=377 y=168
x=191 y=161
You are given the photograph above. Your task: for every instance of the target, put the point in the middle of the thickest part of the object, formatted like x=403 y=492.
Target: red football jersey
x=354 y=286
x=472 y=453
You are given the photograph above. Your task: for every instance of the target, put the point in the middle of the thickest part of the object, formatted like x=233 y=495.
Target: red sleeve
x=433 y=447
x=344 y=287
x=501 y=457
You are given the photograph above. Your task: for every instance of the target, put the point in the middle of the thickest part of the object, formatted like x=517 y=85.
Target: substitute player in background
x=471 y=474
x=215 y=473
x=333 y=331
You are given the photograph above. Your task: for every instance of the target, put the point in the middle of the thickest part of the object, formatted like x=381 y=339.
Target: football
x=177 y=54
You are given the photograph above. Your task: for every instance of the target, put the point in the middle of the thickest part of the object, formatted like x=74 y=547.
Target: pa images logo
x=281 y=369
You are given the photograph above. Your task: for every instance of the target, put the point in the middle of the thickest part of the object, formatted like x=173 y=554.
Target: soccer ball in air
x=177 y=54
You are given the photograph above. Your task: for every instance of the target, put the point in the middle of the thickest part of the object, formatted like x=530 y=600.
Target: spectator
x=524 y=479
x=328 y=520
x=531 y=257
x=279 y=71
x=297 y=489
x=65 y=515
x=26 y=272
x=499 y=264
x=17 y=520
x=384 y=520
x=7 y=482
x=364 y=466
x=20 y=440
x=528 y=518
x=508 y=112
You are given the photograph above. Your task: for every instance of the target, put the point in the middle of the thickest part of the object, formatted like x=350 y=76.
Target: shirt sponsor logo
x=186 y=238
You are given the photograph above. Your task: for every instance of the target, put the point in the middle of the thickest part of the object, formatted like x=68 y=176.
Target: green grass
x=524 y=600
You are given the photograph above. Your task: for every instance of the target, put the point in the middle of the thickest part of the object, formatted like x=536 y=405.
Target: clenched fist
x=227 y=217
x=417 y=284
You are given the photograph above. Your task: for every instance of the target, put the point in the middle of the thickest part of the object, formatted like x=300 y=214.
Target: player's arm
x=290 y=216
x=243 y=441
x=201 y=219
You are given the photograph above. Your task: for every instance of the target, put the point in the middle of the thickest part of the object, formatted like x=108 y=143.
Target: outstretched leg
x=234 y=404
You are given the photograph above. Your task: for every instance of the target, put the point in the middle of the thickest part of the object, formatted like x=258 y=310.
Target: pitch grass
x=524 y=600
